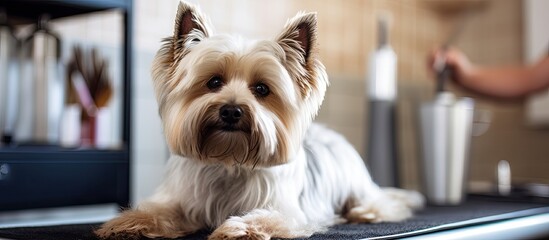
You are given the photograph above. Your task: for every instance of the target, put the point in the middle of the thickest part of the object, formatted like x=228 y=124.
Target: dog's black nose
x=230 y=113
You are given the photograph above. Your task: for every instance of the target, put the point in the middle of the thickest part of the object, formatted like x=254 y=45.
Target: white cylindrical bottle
x=382 y=155
x=383 y=67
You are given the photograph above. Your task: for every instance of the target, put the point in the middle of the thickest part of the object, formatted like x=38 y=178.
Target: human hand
x=453 y=58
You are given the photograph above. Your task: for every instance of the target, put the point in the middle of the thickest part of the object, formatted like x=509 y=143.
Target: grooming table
x=478 y=217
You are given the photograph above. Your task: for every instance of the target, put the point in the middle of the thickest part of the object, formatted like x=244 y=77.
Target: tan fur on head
x=273 y=126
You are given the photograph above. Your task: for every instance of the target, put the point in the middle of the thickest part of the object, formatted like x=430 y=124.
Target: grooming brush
x=90 y=86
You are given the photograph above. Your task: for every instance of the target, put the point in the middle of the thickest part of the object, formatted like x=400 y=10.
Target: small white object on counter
x=504 y=178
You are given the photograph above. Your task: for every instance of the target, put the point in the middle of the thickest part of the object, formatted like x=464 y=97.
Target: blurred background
x=496 y=32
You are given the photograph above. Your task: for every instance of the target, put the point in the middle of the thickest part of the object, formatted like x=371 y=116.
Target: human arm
x=499 y=81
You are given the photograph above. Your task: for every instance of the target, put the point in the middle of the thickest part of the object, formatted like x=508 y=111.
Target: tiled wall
x=347 y=36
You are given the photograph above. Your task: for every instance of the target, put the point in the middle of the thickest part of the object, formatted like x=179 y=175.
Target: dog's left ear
x=298 y=39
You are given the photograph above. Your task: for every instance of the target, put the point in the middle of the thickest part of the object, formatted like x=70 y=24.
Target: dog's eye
x=261 y=90
x=214 y=83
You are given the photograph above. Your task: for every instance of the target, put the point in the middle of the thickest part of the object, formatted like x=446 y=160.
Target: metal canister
x=42 y=90
x=446 y=125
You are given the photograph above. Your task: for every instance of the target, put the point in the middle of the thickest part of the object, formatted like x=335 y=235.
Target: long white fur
x=311 y=190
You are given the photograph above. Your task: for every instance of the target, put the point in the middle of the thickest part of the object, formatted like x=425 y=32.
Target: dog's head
x=224 y=99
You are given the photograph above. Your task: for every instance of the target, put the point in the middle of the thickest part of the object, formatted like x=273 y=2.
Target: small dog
x=247 y=161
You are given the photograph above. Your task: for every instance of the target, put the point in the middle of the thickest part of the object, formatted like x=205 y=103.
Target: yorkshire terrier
x=247 y=161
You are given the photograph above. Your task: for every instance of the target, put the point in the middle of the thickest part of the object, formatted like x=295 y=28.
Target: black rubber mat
x=476 y=210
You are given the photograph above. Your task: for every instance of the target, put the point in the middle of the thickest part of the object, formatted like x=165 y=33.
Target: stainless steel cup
x=445 y=138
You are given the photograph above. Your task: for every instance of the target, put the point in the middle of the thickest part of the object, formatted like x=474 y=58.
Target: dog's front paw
x=110 y=231
x=411 y=198
x=136 y=224
x=394 y=205
x=236 y=228
x=127 y=226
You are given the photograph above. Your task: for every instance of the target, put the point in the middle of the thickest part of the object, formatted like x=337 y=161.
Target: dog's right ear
x=191 y=27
